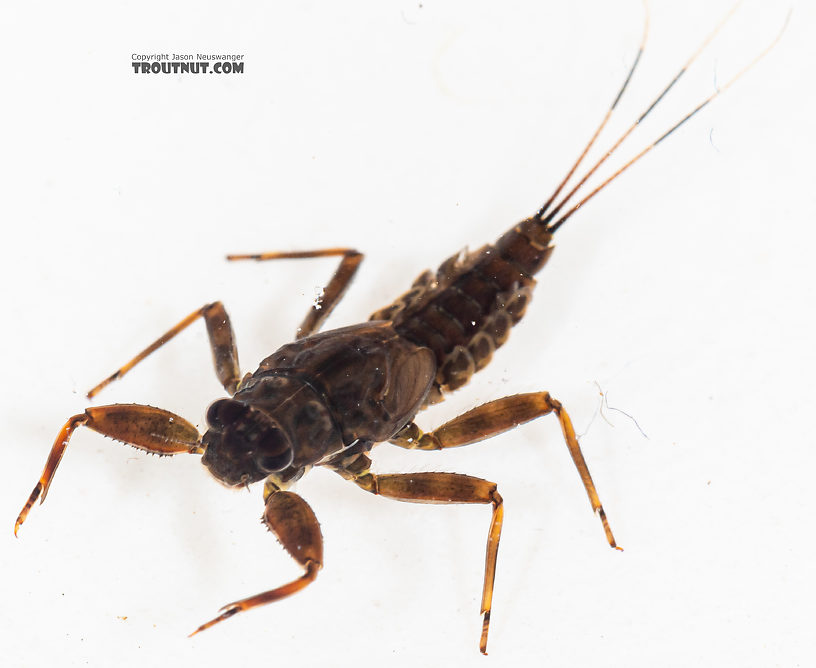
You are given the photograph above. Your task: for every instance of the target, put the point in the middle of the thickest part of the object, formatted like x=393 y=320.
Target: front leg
x=150 y=429
x=294 y=523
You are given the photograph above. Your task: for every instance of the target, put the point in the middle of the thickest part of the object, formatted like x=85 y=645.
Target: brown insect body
x=307 y=399
x=311 y=390
x=327 y=398
x=466 y=310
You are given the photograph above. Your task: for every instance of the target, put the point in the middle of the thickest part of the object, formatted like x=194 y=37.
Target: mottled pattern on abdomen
x=465 y=311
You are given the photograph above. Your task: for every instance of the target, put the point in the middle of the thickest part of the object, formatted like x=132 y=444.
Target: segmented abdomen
x=465 y=311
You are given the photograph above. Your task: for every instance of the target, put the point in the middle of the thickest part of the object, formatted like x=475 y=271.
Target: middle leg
x=222 y=345
x=440 y=488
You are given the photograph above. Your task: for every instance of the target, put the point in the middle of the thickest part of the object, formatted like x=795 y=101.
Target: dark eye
x=225 y=412
x=273 y=451
x=272 y=464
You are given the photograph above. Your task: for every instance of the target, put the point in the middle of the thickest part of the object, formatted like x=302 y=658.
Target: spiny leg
x=150 y=429
x=332 y=293
x=222 y=344
x=441 y=488
x=496 y=417
x=294 y=523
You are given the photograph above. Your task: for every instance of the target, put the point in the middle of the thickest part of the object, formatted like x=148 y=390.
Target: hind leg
x=334 y=290
x=499 y=416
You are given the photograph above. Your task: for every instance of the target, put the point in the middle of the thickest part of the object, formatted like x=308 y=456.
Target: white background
x=409 y=131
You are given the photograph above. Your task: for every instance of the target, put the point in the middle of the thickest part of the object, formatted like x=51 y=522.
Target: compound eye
x=273 y=464
x=274 y=452
x=225 y=412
